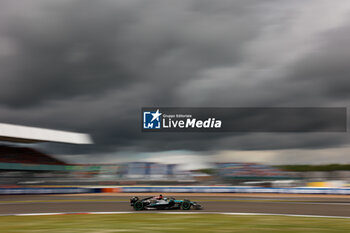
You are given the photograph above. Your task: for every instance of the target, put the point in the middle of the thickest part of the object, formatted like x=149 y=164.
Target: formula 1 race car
x=161 y=203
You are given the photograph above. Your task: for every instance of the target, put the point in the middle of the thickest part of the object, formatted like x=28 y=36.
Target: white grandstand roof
x=17 y=133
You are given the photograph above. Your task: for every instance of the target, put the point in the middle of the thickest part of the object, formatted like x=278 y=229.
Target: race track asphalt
x=326 y=206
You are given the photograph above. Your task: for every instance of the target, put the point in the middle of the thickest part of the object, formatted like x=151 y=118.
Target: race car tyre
x=138 y=205
x=186 y=205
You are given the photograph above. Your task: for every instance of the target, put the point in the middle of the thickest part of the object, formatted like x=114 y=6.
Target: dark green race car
x=161 y=203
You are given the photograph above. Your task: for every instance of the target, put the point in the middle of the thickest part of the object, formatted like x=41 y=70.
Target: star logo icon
x=156 y=115
x=151 y=119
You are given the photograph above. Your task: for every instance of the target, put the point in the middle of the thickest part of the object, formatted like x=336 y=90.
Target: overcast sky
x=89 y=66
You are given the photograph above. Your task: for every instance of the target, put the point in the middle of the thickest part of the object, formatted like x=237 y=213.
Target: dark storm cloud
x=91 y=65
x=88 y=47
x=326 y=69
x=62 y=52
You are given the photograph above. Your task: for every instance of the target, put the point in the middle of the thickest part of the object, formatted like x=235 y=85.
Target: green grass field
x=170 y=223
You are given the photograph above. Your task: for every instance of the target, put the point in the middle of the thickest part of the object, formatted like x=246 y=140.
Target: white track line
x=34 y=214
x=131 y=212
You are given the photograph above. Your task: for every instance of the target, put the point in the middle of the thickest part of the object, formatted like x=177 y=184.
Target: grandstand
x=22 y=164
x=25 y=155
x=25 y=134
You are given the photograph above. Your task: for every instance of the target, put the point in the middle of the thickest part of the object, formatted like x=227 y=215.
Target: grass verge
x=170 y=223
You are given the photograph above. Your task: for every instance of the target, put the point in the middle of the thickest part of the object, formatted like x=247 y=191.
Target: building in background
x=251 y=173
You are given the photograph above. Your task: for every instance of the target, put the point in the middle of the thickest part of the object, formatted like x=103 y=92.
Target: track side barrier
x=230 y=189
x=69 y=190
x=174 y=189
